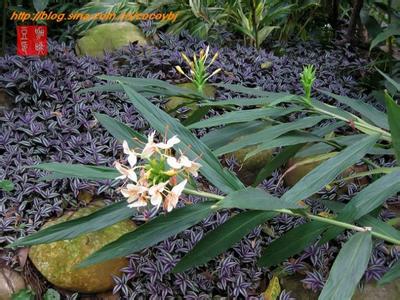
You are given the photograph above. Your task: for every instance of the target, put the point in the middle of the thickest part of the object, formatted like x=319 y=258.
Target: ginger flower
x=189 y=166
x=198 y=73
x=135 y=194
x=156 y=183
x=169 y=144
x=155 y=193
x=150 y=148
x=126 y=172
x=132 y=156
x=171 y=200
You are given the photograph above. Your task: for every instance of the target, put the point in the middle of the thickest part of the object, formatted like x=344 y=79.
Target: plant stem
x=342 y=224
x=359 y=124
x=308 y=215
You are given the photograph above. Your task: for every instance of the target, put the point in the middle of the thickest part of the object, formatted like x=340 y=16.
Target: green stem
x=342 y=224
x=359 y=124
x=308 y=215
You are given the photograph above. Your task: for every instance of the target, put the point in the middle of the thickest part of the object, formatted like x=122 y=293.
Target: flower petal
x=173 y=162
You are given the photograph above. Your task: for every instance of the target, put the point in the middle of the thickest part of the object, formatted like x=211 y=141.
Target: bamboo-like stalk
x=307 y=215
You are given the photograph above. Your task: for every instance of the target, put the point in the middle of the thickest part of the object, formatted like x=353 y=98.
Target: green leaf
x=193 y=147
x=222 y=136
x=327 y=171
x=348 y=268
x=243 y=116
x=100 y=219
x=51 y=294
x=367 y=221
x=121 y=131
x=151 y=233
x=6 y=185
x=40 y=5
x=79 y=171
x=384 y=35
x=245 y=90
x=391 y=81
x=254 y=198
x=24 y=294
x=280 y=159
x=394 y=122
x=391 y=275
x=379 y=118
x=379 y=226
x=242 y=101
x=291 y=243
x=222 y=238
x=285 y=140
x=370 y=198
x=268 y=133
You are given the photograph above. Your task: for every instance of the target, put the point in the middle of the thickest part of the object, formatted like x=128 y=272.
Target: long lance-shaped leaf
x=391 y=81
x=391 y=30
x=151 y=233
x=242 y=101
x=378 y=117
x=254 y=198
x=100 y=219
x=155 y=86
x=290 y=151
x=246 y=90
x=193 y=147
x=348 y=268
x=285 y=140
x=222 y=136
x=222 y=238
x=269 y=133
x=394 y=122
x=243 y=116
x=326 y=172
x=291 y=243
x=391 y=275
x=370 y=198
x=121 y=131
x=79 y=171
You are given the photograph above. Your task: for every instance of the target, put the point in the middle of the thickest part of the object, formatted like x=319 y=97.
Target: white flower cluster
x=156 y=181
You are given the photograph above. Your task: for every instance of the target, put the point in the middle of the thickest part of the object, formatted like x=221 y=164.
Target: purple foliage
x=52 y=122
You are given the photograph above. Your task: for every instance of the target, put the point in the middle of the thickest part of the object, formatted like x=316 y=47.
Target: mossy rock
x=250 y=167
x=56 y=261
x=296 y=288
x=175 y=103
x=372 y=291
x=109 y=37
x=297 y=173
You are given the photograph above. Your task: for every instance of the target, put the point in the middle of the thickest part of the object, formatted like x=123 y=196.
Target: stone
x=10 y=282
x=296 y=288
x=56 y=261
x=294 y=175
x=372 y=291
x=108 y=37
x=175 y=103
x=250 y=167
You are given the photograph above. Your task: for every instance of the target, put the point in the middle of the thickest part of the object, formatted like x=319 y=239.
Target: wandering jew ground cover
x=243 y=166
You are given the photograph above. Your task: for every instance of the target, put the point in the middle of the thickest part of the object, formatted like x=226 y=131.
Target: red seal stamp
x=31 y=40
